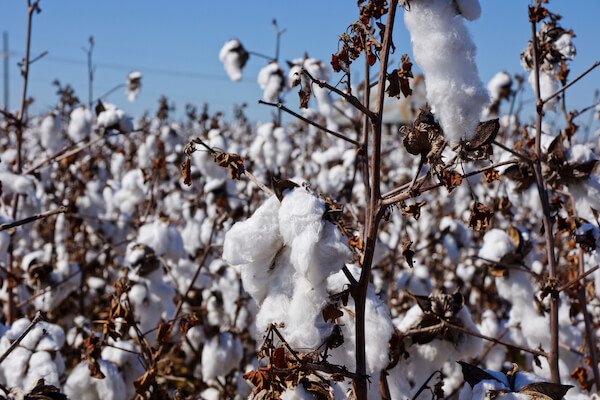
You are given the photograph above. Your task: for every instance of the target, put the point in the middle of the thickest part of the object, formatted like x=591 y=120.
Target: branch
x=553 y=355
x=33 y=218
x=577 y=279
x=32 y=324
x=562 y=89
x=308 y=121
x=351 y=99
x=404 y=195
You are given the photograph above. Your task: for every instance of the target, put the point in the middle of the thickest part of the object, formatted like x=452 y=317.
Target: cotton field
x=398 y=229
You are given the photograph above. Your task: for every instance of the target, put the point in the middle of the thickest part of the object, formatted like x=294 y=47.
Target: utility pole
x=6 y=56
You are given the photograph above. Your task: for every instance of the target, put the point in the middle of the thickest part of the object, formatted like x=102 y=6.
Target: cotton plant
x=80 y=124
x=557 y=48
x=444 y=50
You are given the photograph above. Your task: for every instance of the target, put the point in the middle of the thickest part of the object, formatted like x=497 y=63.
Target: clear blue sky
x=185 y=36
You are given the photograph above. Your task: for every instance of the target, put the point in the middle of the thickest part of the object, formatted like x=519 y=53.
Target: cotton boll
x=163 y=238
x=114 y=118
x=80 y=124
x=41 y=366
x=548 y=86
x=220 y=355
x=80 y=385
x=470 y=9
x=499 y=85
x=50 y=137
x=304 y=325
x=253 y=244
x=444 y=50
x=272 y=81
x=234 y=57
x=134 y=85
x=496 y=244
x=129 y=363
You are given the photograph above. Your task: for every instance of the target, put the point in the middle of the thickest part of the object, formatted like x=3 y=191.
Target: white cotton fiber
x=80 y=124
x=497 y=84
x=496 y=244
x=272 y=81
x=234 y=57
x=220 y=355
x=80 y=385
x=444 y=50
x=297 y=393
x=50 y=138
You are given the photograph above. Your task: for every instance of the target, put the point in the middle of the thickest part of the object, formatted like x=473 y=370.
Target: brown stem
x=287 y=110
x=396 y=195
x=32 y=218
x=590 y=335
x=31 y=8
x=374 y=210
x=553 y=354
x=348 y=97
x=581 y=276
x=38 y=318
x=562 y=89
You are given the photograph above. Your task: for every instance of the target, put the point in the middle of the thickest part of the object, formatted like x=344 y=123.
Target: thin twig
x=308 y=121
x=588 y=321
x=562 y=89
x=351 y=99
x=33 y=218
x=32 y=324
x=582 y=276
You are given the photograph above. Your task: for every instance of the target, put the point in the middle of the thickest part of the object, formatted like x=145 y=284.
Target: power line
x=145 y=69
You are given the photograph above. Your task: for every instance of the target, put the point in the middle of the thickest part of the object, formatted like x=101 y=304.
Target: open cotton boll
x=50 y=137
x=304 y=325
x=548 y=86
x=272 y=81
x=114 y=118
x=318 y=249
x=134 y=85
x=82 y=386
x=220 y=355
x=234 y=57
x=80 y=124
x=498 y=85
x=496 y=244
x=444 y=50
x=163 y=238
x=41 y=366
x=253 y=244
x=128 y=362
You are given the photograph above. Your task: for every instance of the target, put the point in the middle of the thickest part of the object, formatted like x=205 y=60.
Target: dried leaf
x=413 y=210
x=41 y=391
x=451 y=179
x=473 y=375
x=164 y=332
x=278 y=359
x=186 y=171
x=407 y=252
x=545 y=390
x=331 y=313
x=491 y=175
x=280 y=186
x=480 y=217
